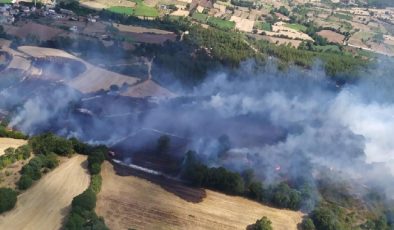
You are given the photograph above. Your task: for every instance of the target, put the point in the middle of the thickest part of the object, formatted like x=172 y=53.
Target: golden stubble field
x=6 y=143
x=45 y=205
x=132 y=202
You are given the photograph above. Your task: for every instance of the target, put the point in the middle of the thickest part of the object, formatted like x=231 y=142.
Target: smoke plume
x=280 y=123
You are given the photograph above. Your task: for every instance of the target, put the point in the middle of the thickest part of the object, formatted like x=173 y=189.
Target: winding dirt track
x=131 y=202
x=45 y=205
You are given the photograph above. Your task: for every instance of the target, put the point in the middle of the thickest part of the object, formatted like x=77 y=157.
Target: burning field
x=289 y=127
x=132 y=202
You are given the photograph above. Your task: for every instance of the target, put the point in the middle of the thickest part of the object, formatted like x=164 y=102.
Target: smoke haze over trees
x=295 y=126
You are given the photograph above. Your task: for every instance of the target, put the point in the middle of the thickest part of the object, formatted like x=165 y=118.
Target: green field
x=297 y=27
x=331 y=48
x=200 y=17
x=263 y=26
x=343 y=16
x=146 y=11
x=140 y=10
x=212 y=21
x=5 y=1
x=221 y=23
x=121 y=10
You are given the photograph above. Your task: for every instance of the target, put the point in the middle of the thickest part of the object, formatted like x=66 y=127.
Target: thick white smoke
x=277 y=122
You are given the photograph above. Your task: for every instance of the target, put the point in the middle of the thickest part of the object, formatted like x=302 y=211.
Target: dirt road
x=45 y=205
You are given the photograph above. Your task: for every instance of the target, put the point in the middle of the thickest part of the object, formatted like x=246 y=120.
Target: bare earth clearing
x=6 y=143
x=45 y=205
x=131 y=202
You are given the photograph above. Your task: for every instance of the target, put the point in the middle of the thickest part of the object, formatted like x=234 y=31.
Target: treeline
x=202 y=50
x=323 y=214
x=243 y=3
x=223 y=180
x=338 y=65
x=4 y=132
x=328 y=216
x=82 y=215
x=380 y=3
x=46 y=147
x=33 y=170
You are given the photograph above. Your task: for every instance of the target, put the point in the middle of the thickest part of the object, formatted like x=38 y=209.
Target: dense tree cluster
x=49 y=143
x=215 y=178
x=229 y=47
x=328 y=218
x=7 y=199
x=221 y=179
x=82 y=215
x=338 y=65
x=33 y=170
x=307 y=224
x=243 y=3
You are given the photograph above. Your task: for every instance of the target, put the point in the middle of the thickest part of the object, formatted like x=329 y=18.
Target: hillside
x=131 y=202
x=45 y=205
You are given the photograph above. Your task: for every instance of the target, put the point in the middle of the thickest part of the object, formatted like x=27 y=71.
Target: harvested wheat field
x=42 y=32
x=148 y=88
x=332 y=36
x=92 y=80
x=103 y=4
x=45 y=205
x=6 y=143
x=131 y=202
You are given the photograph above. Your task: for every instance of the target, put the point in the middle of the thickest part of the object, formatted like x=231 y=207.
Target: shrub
x=307 y=224
x=25 y=182
x=85 y=201
x=24 y=151
x=325 y=219
x=51 y=161
x=95 y=183
x=262 y=224
x=95 y=168
x=285 y=197
x=8 y=199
